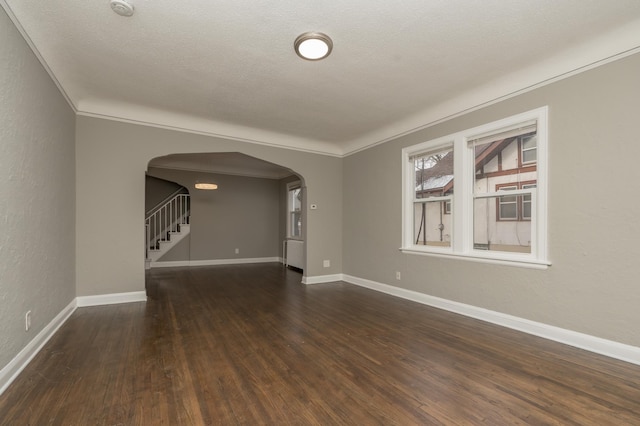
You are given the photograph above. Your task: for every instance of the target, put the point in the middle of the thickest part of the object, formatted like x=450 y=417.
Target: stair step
x=163 y=244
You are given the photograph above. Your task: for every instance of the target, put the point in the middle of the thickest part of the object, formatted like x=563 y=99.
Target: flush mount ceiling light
x=122 y=7
x=206 y=186
x=313 y=46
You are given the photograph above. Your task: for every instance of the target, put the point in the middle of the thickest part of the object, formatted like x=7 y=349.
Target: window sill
x=517 y=262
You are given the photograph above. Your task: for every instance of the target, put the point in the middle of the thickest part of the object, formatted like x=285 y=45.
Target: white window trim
x=462 y=202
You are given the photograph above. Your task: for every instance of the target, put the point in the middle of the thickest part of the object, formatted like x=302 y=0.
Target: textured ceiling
x=228 y=67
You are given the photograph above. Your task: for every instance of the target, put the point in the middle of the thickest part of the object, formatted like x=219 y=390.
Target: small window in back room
x=294 y=206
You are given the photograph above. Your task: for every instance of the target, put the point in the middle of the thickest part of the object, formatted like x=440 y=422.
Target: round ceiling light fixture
x=313 y=46
x=122 y=7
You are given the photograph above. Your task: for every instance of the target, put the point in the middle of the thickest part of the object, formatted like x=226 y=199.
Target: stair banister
x=166 y=219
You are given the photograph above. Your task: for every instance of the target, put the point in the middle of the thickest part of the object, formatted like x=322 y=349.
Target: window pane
x=295 y=198
x=529 y=141
x=296 y=224
x=432 y=227
x=508 y=210
x=501 y=160
x=526 y=203
x=434 y=174
x=529 y=150
x=526 y=206
x=508 y=205
x=498 y=235
x=295 y=212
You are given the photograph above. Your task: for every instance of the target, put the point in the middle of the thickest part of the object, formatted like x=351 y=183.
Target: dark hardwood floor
x=251 y=345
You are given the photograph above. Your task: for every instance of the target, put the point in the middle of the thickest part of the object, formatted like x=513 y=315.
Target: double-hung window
x=294 y=207
x=480 y=193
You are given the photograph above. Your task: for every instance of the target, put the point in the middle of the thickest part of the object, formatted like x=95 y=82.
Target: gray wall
x=180 y=252
x=37 y=255
x=157 y=190
x=113 y=262
x=594 y=231
x=242 y=213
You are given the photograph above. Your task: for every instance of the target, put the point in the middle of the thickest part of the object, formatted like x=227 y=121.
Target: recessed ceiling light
x=313 y=46
x=122 y=7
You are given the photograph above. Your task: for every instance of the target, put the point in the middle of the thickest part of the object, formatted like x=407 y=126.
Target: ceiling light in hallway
x=206 y=186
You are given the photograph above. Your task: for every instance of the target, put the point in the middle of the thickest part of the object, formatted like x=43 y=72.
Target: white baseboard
x=598 y=345
x=111 y=299
x=171 y=264
x=9 y=373
x=320 y=279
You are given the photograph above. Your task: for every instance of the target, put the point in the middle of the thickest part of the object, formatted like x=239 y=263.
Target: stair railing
x=166 y=219
x=168 y=198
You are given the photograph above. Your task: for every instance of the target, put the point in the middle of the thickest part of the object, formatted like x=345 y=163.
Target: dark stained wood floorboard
x=250 y=345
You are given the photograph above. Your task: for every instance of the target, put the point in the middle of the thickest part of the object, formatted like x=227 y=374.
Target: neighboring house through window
x=507 y=204
x=433 y=194
x=528 y=145
x=480 y=193
x=515 y=207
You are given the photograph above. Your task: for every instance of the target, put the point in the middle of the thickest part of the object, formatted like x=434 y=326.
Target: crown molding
x=132 y=114
x=616 y=45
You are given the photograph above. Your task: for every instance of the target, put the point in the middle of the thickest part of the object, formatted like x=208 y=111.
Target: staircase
x=165 y=226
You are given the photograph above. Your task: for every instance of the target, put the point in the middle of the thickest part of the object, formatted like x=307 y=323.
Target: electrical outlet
x=398 y=275
x=237 y=251
x=326 y=263
x=27 y=321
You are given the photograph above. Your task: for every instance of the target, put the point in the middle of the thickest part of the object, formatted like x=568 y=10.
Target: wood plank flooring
x=250 y=345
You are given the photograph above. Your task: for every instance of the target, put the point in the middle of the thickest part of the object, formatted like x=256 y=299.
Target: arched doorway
x=245 y=219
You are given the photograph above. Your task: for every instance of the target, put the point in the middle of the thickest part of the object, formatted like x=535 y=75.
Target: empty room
x=323 y=213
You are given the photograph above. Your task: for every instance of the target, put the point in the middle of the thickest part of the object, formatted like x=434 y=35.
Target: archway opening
x=248 y=218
